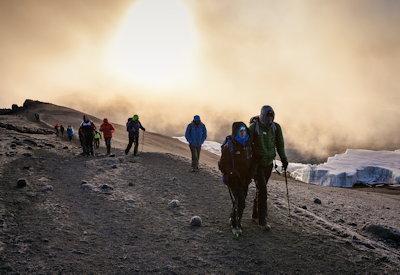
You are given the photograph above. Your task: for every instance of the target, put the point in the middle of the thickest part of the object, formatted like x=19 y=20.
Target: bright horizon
x=330 y=73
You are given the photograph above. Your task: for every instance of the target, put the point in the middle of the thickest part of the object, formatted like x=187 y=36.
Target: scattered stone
x=50 y=145
x=30 y=142
x=114 y=166
x=174 y=179
x=21 y=183
x=13 y=145
x=352 y=224
x=112 y=155
x=317 y=201
x=106 y=188
x=29 y=148
x=84 y=182
x=383 y=233
x=26 y=168
x=130 y=183
x=28 y=155
x=87 y=186
x=304 y=207
x=174 y=204
x=195 y=221
x=47 y=188
x=65 y=147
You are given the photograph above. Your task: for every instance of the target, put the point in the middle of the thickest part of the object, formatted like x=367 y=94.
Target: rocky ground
x=113 y=215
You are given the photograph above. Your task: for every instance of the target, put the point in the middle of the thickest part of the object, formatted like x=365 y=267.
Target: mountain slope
x=119 y=220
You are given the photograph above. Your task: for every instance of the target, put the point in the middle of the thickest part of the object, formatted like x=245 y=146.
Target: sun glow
x=155 y=45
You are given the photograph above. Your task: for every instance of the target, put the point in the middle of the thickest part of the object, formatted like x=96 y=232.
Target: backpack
x=231 y=148
x=127 y=124
x=256 y=133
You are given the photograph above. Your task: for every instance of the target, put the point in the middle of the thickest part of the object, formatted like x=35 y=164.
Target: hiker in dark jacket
x=133 y=126
x=196 y=134
x=62 y=129
x=86 y=134
x=236 y=166
x=267 y=140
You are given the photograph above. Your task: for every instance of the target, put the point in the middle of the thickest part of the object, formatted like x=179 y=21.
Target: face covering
x=242 y=137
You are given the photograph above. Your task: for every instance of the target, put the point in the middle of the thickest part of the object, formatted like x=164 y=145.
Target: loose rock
x=195 y=221
x=317 y=201
x=174 y=204
x=47 y=188
x=383 y=233
x=304 y=207
x=21 y=183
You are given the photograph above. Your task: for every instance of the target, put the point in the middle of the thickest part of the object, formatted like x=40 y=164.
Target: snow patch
x=341 y=170
x=210 y=146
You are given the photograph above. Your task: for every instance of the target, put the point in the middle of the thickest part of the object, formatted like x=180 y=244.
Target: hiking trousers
x=108 y=144
x=96 y=143
x=133 y=139
x=88 y=144
x=239 y=192
x=195 y=151
x=260 y=199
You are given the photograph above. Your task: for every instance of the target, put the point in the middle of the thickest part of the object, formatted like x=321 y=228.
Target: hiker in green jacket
x=267 y=140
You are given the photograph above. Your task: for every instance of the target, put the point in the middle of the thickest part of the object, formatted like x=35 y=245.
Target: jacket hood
x=105 y=120
x=267 y=115
x=236 y=126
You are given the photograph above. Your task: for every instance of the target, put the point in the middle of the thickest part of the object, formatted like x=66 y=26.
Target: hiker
x=267 y=140
x=70 y=133
x=236 y=166
x=62 y=129
x=37 y=118
x=97 y=137
x=86 y=131
x=133 y=126
x=56 y=127
x=196 y=134
x=107 y=130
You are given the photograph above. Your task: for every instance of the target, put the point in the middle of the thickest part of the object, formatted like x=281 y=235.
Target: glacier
x=355 y=166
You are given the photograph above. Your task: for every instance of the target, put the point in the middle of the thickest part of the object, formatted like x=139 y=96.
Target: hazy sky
x=329 y=68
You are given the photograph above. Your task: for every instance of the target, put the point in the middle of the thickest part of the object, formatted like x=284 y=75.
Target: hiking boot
x=265 y=227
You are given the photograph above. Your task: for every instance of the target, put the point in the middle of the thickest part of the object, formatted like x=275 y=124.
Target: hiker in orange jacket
x=107 y=130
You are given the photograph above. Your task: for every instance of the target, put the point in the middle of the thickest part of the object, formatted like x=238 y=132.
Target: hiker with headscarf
x=86 y=134
x=133 y=126
x=107 y=130
x=267 y=140
x=196 y=134
x=236 y=166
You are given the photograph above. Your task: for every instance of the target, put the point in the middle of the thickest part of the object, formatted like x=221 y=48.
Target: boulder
x=21 y=183
x=196 y=221
x=30 y=142
x=106 y=188
x=383 y=233
x=47 y=188
x=174 y=204
x=317 y=201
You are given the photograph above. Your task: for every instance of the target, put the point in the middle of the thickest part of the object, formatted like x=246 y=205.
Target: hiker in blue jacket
x=196 y=134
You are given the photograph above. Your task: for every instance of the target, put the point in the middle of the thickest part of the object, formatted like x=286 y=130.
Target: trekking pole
x=287 y=194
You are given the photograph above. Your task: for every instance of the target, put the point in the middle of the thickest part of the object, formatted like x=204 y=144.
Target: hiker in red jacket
x=107 y=130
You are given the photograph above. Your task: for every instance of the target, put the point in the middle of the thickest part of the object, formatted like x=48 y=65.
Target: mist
x=328 y=68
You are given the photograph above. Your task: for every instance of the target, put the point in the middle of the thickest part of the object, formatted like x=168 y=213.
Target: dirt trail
x=119 y=221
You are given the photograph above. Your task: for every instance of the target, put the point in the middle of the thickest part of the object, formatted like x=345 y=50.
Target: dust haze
x=329 y=68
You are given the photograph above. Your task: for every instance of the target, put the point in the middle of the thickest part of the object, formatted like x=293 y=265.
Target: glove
x=285 y=164
x=144 y=129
